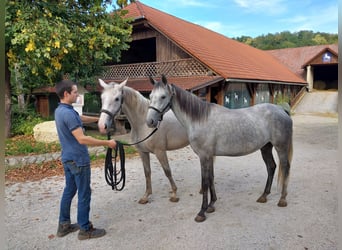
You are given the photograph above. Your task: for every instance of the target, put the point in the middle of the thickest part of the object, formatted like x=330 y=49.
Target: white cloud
x=268 y=7
x=222 y=28
x=189 y=3
x=324 y=19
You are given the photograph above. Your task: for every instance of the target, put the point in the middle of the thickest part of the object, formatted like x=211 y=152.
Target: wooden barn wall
x=167 y=50
x=143 y=34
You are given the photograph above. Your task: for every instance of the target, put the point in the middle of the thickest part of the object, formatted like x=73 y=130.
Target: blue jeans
x=77 y=178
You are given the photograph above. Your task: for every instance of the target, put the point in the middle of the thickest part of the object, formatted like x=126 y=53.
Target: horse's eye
x=163 y=97
x=117 y=99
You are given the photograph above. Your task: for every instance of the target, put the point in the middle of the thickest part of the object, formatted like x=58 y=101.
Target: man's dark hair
x=65 y=85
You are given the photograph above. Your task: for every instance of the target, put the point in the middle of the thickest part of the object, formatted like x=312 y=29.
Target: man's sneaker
x=64 y=229
x=91 y=233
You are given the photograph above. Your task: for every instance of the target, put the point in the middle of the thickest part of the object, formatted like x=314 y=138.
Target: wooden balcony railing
x=183 y=67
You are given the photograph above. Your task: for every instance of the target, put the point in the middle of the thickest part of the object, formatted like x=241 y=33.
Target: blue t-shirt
x=67 y=120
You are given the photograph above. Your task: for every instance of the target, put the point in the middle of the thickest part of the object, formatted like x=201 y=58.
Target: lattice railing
x=183 y=67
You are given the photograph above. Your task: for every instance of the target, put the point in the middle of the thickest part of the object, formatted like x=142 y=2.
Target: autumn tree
x=46 y=40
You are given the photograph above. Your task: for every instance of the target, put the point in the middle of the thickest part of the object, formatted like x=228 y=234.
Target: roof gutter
x=263 y=81
x=218 y=79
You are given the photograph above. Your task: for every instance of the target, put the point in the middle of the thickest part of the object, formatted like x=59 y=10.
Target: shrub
x=24 y=121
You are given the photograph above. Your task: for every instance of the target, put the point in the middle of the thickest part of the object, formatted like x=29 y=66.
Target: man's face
x=72 y=96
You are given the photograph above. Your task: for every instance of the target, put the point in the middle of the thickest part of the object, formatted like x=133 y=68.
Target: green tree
x=123 y=3
x=45 y=40
x=286 y=39
x=319 y=39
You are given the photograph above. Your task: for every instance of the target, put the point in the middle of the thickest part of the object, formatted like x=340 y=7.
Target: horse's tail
x=284 y=171
x=286 y=107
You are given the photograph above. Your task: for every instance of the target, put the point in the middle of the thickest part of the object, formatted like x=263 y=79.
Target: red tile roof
x=296 y=58
x=227 y=57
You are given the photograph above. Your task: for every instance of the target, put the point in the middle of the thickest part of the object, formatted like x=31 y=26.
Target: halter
x=166 y=108
x=111 y=115
x=107 y=112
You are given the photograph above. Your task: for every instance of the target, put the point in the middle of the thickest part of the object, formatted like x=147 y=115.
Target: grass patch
x=27 y=145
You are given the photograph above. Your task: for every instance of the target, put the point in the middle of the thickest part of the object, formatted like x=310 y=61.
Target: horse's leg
x=145 y=157
x=162 y=157
x=205 y=184
x=213 y=198
x=285 y=157
x=267 y=155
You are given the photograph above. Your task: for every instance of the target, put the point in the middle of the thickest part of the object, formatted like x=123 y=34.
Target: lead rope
x=113 y=176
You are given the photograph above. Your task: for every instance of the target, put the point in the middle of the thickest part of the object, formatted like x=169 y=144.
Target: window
x=262 y=94
x=236 y=96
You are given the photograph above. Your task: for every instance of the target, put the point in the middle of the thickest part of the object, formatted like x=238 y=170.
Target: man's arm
x=89 y=119
x=91 y=141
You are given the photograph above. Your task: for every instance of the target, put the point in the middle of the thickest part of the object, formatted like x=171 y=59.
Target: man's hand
x=112 y=143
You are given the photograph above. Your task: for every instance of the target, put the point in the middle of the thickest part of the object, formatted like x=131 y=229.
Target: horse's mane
x=190 y=104
x=136 y=99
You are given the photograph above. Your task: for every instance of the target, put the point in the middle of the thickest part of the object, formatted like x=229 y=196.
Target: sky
x=236 y=18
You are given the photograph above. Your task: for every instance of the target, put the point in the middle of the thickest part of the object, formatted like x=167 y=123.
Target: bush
x=24 y=121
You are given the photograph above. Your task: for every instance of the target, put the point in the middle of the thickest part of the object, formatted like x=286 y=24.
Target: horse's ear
x=124 y=82
x=164 y=80
x=103 y=84
x=152 y=80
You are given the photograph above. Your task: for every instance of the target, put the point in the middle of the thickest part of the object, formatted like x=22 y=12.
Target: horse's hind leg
x=285 y=157
x=145 y=157
x=267 y=156
x=213 y=198
x=207 y=176
x=162 y=157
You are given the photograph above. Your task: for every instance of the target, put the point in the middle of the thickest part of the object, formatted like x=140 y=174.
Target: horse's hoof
x=210 y=209
x=143 y=201
x=262 y=199
x=282 y=203
x=174 y=199
x=200 y=218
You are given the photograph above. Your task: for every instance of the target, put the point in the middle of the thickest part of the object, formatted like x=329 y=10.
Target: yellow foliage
x=91 y=42
x=10 y=54
x=57 y=44
x=48 y=71
x=34 y=71
x=30 y=46
x=55 y=62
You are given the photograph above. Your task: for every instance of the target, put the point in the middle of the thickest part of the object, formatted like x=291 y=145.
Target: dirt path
x=309 y=221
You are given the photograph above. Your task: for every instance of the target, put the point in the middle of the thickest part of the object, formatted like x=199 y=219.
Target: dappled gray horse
x=169 y=136
x=214 y=130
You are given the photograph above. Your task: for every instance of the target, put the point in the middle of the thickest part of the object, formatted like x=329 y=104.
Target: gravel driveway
x=308 y=222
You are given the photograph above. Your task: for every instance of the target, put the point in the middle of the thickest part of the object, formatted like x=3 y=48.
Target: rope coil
x=113 y=176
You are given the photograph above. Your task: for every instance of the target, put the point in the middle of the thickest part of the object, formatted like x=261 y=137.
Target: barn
x=214 y=67
x=317 y=65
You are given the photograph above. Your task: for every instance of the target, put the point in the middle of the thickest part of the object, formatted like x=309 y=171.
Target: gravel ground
x=308 y=222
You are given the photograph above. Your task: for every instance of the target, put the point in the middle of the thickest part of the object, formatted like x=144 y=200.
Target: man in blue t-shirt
x=76 y=163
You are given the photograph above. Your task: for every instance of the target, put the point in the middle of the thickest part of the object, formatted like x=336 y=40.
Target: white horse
x=170 y=135
x=214 y=130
